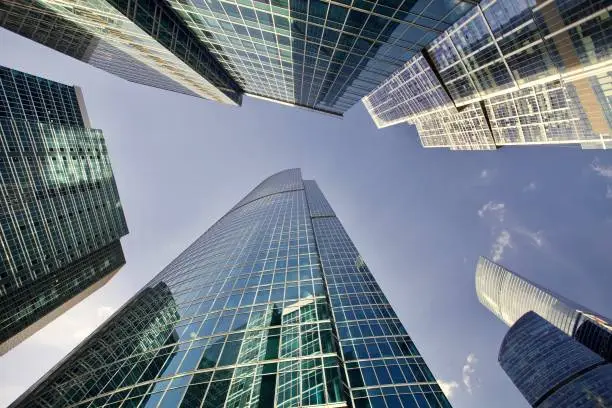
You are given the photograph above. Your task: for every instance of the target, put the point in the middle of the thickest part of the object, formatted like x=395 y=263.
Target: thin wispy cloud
x=448 y=387
x=469 y=368
x=503 y=241
x=536 y=237
x=496 y=209
x=601 y=169
x=609 y=192
x=530 y=187
x=484 y=174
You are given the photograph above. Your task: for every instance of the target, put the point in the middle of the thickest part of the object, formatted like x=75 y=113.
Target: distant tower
x=271 y=307
x=553 y=370
x=60 y=214
x=509 y=296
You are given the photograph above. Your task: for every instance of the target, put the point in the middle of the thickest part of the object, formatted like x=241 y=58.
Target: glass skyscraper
x=510 y=72
x=271 y=307
x=319 y=54
x=60 y=214
x=553 y=370
x=509 y=296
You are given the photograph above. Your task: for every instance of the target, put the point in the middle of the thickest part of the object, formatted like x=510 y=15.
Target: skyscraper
x=508 y=73
x=317 y=54
x=271 y=307
x=509 y=296
x=60 y=214
x=553 y=370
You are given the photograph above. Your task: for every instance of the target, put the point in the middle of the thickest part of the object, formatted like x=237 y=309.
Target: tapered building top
x=509 y=296
x=271 y=307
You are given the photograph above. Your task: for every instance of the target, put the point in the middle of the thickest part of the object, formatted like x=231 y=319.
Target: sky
x=420 y=217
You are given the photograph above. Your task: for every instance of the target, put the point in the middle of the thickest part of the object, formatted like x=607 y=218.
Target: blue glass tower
x=553 y=370
x=272 y=307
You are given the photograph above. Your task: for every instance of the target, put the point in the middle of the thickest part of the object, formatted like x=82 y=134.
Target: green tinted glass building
x=271 y=307
x=319 y=54
x=60 y=214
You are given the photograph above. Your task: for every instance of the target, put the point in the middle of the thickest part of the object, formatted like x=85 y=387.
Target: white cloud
x=530 y=187
x=72 y=327
x=609 y=192
x=502 y=242
x=448 y=387
x=602 y=170
x=469 y=380
x=497 y=209
x=104 y=312
x=484 y=174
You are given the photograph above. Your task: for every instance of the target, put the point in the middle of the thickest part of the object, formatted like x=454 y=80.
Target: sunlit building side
x=508 y=73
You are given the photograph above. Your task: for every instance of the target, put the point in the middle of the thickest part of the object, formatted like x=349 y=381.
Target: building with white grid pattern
x=508 y=73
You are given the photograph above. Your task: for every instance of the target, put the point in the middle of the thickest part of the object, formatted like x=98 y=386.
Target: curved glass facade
x=271 y=307
x=509 y=296
x=549 y=367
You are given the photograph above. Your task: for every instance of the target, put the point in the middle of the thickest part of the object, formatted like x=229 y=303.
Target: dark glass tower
x=60 y=214
x=319 y=54
x=553 y=370
x=271 y=307
x=509 y=296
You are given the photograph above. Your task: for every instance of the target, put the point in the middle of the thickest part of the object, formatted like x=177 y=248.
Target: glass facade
x=509 y=296
x=150 y=47
x=541 y=72
x=271 y=307
x=551 y=369
x=318 y=54
x=61 y=217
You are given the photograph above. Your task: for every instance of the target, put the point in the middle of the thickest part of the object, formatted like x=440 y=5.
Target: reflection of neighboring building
x=509 y=296
x=318 y=54
x=60 y=214
x=552 y=369
x=508 y=73
x=146 y=319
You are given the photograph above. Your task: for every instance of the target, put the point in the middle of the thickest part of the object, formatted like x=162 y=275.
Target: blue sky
x=420 y=217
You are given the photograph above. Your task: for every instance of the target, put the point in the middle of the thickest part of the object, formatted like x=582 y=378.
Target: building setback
x=553 y=370
x=60 y=214
x=318 y=54
x=508 y=73
x=271 y=307
x=509 y=296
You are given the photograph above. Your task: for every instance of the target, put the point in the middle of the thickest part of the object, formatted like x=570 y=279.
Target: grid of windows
x=541 y=361
x=248 y=316
x=537 y=68
x=320 y=54
x=61 y=217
